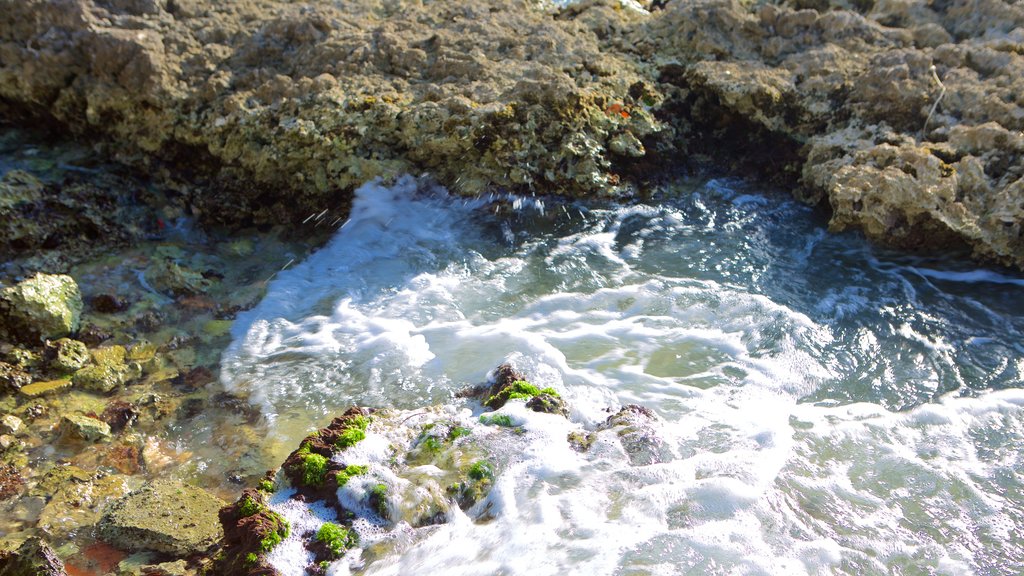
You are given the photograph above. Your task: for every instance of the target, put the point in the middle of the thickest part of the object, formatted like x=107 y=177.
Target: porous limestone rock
x=164 y=516
x=44 y=306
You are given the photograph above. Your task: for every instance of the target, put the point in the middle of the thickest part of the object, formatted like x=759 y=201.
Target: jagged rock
x=108 y=372
x=13 y=378
x=636 y=428
x=68 y=355
x=164 y=516
x=33 y=558
x=43 y=306
x=80 y=427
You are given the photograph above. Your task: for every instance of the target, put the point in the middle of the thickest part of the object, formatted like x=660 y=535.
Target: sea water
x=828 y=408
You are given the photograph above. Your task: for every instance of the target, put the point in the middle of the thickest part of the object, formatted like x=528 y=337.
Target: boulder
x=44 y=306
x=164 y=516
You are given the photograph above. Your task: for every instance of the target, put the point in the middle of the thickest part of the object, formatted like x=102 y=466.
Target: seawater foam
x=822 y=415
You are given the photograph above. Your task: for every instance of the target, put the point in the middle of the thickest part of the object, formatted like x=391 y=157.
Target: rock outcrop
x=902 y=117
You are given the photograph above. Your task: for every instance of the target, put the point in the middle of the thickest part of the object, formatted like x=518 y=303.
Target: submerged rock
x=44 y=306
x=33 y=558
x=80 y=427
x=164 y=516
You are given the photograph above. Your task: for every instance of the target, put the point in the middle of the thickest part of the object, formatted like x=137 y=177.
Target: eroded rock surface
x=164 y=516
x=905 y=118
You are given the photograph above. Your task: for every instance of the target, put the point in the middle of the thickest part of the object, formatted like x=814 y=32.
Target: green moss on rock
x=337 y=538
x=44 y=306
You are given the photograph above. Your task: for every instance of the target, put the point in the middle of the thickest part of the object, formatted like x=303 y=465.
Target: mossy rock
x=68 y=355
x=164 y=516
x=101 y=378
x=44 y=306
x=80 y=427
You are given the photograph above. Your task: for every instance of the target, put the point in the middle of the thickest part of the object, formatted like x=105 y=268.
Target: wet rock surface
x=33 y=558
x=164 y=516
x=44 y=306
x=904 y=119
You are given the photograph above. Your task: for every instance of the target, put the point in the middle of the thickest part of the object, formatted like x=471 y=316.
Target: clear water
x=830 y=409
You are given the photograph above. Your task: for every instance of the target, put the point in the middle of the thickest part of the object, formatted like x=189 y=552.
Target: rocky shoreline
x=234 y=128
x=903 y=119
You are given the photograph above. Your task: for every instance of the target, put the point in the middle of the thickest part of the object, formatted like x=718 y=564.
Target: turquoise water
x=828 y=407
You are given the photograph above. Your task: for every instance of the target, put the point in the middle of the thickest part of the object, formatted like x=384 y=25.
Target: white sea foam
x=816 y=421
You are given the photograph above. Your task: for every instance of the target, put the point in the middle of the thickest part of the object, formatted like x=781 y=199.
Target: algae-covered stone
x=164 y=516
x=12 y=378
x=69 y=355
x=108 y=371
x=100 y=378
x=81 y=427
x=78 y=502
x=33 y=558
x=44 y=306
x=37 y=389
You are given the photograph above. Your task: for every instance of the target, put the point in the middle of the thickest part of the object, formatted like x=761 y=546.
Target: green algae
x=481 y=470
x=520 y=389
x=314 y=469
x=503 y=420
x=281 y=529
x=337 y=538
x=350 y=471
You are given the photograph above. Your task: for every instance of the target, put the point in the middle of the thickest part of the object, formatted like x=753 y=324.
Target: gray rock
x=44 y=306
x=164 y=516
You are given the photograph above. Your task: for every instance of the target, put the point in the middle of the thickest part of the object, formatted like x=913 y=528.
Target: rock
x=44 y=306
x=11 y=482
x=33 y=558
x=12 y=378
x=165 y=516
x=636 y=428
x=109 y=303
x=10 y=424
x=108 y=372
x=37 y=389
x=78 y=502
x=68 y=355
x=80 y=427
x=549 y=404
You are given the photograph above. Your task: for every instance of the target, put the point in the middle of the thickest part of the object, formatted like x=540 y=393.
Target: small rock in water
x=165 y=516
x=11 y=483
x=109 y=303
x=10 y=424
x=12 y=378
x=44 y=306
x=636 y=428
x=68 y=355
x=80 y=427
